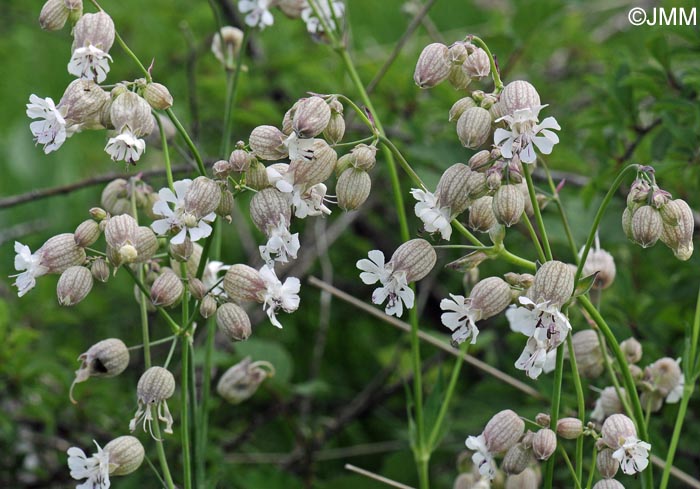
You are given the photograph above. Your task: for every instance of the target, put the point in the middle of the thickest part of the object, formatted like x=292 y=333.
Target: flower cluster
x=316 y=14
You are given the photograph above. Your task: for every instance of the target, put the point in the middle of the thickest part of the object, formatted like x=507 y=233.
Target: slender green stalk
x=580 y=404
x=562 y=214
x=688 y=389
x=554 y=414
x=168 y=319
x=231 y=90
x=498 y=84
x=143 y=306
x=162 y=459
x=166 y=153
x=591 y=473
x=567 y=460
x=516 y=260
x=533 y=237
x=538 y=214
x=188 y=141
x=437 y=427
x=630 y=388
x=184 y=388
x=152 y=343
x=613 y=377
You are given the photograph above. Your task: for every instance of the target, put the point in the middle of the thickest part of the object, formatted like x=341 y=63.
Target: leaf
x=658 y=47
x=585 y=284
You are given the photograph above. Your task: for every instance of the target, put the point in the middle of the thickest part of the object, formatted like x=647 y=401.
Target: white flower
x=547 y=328
x=394 y=285
x=50 y=130
x=257 y=12
x=178 y=219
x=210 y=277
x=314 y=25
x=89 y=62
x=145 y=412
x=525 y=134
x=281 y=243
x=482 y=458
x=462 y=318
x=434 y=218
x=30 y=266
x=95 y=469
x=126 y=146
x=278 y=295
x=305 y=201
x=299 y=148
x=633 y=455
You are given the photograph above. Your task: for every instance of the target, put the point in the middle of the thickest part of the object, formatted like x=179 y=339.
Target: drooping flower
x=278 y=295
x=314 y=24
x=526 y=134
x=89 y=62
x=257 y=13
x=633 y=455
x=50 y=129
x=460 y=318
x=125 y=147
x=307 y=201
x=95 y=469
x=31 y=266
x=546 y=328
x=394 y=284
x=435 y=218
x=482 y=458
x=281 y=243
x=155 y=387
x=180 y=218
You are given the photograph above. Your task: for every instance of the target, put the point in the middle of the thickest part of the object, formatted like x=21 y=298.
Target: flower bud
x=317 y=169
x=267 y=143
x=517 y=458
x=608 y=484
x=242 y=380
x=481 y=215
x=480 y=161
x=680 y=237
x=202 y=197
x=554 y=282
x=639 y=192
x=155 y=385
x=55 y=13
x=120 y=231
x=615 y=429
x=458 y=78
x=460 y=106
x=450 y=189
x=60 y=252
x=256 y=175
x=433 y=65
x=503 y=431
x=167 y=289
x=569 y=428
x=146 y=244
x=197 y=288
x=86 y=233
x=476 y=185
x=311 y=117
x=508 y=205
x=73 y=286
x=416 y=257
x=239 y=160
x=100 y=270
x=98 y=213
x=498 y=111
x=543 y=419
x=490 y=296
x=589 y=357
x=664 y=374
x=544 y=443
x=364 y=156
x=82 y=104
x=353 y=188
x=527 y=479
x=157 y=96
x=182 y=252
x=208 y=306
x=115 y=197
x=129 y=110
x=521 y=280
x=627 y=223
x=606 y=464
x=126 y=454
x=474 y=127
x=602 y=262
x=233 y=321
x=96 y=29
x=488 y=101
x=519 y=95
x=106 y=358
x=244 y=283
x=632 y=349
x=267 y=207
x=493 y=178
x=226 y=205
x=608 y=403
x=335 y=130
x=647 y=226
x=477 y=65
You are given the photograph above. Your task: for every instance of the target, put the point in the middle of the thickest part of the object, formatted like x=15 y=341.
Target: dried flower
x=106 y=358
x=155 y=387
x=226 y=44
x=242 y=380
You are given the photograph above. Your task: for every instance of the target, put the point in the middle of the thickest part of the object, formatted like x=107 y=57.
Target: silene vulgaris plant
x=168 y=241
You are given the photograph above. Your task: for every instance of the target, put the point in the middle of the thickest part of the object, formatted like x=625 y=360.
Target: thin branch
x=376 y=477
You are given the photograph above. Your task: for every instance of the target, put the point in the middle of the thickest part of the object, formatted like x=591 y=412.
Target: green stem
x=516 y=260
x=231 y=89
x=630 y=388
x=574 y=475
x=562 y=214
x=166 y=153
x=184 y=388
x=538 y=213
x=580 y=405
x=437 y=427
x=534 y=238
x=188 y=141
x=161 y=454
x=613 y=377
x=554 y=414
x=591 y=473
x=171 y=322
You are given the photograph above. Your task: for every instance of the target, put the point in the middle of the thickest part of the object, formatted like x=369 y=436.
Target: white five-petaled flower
x=299 y=148
x=30 y=267
x=482 y=458
x=279 y=295
x=460 y=318
x=50 y=129
x=546 y=327
x=394 y=284
x=257 y=13
x=89 y=62
x=307 y=202
x=434 y=218
x=281 y=243
x=525 y=134
x=125 y=146
x=177 y=219
x=633 y=455
x=314 y=24
x=95 y=469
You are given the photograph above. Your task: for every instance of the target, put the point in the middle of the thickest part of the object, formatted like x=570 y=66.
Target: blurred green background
x=622 y=94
